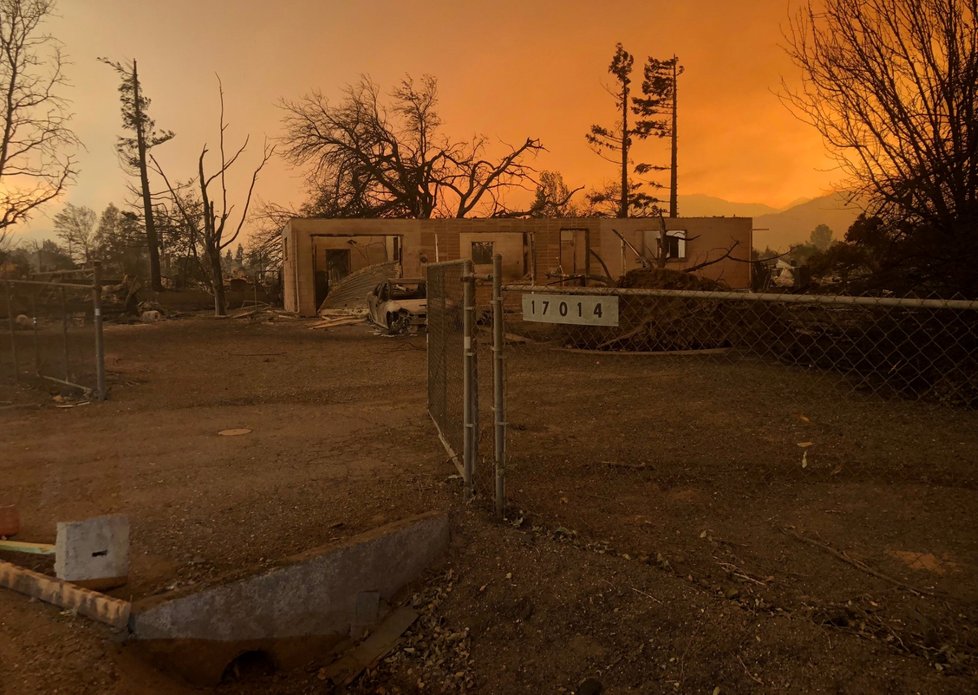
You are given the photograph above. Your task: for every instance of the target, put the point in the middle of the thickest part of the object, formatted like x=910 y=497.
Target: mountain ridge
x=781 y=228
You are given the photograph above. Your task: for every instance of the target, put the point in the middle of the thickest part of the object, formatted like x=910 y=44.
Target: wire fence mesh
x=636 y=378
x=918 y=349
x=704 y=432
x=51 y=329
x=446 y=354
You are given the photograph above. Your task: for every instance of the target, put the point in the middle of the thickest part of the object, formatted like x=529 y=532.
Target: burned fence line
x=55 y=330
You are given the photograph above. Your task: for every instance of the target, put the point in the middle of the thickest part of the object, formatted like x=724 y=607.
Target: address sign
x=578 y=309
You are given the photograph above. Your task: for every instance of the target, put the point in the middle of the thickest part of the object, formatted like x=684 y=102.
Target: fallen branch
x=858 y=564
x=747 y=671
x=735 y=571
x=708 y=262
x=645 y=594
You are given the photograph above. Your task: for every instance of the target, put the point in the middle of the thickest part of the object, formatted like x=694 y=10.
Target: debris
x=71 y=405
x=150 y=305
x=93 y=553
x=31 y=548
x=124 y=295
x=805 y=445
x=249 y=312
x=9 y=520
x=338 y=321
x=90 y=604
x=234 y=432
x=351 y=292
x=382 y=640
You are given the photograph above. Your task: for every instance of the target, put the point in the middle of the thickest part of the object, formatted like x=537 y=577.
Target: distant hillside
x=780 y=230
x=696 y=205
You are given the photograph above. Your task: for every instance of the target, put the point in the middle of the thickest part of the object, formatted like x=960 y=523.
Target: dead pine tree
x=658 y=115
x=133 y=152
x=615 y=143
x=211 y=224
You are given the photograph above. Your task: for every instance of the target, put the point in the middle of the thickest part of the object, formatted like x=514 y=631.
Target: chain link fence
x=603 y=373
x=583 y=370
x=452 y=402
x=54 y=332
x=911 y=348
x=735 y=440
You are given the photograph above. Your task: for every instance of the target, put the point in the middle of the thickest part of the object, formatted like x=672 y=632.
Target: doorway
x=337 y=266
x=575 y=263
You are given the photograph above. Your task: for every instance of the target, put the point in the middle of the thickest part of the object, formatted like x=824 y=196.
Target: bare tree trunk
x=623 y=205
x=673 y=198
x=217 y=280
x=152 y=242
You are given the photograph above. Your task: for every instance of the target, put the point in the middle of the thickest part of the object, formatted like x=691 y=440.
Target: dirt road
x=650 y=564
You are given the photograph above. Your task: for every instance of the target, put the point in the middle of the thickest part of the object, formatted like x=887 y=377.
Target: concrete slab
x=93 y=553
x=316 y=598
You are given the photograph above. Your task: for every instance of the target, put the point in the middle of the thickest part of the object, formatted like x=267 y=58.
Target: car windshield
x=407 y=290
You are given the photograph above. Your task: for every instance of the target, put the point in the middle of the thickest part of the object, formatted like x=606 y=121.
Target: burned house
x=319 y=253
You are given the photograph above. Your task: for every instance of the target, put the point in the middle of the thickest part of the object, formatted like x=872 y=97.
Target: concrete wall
x=329 y=592
x=531 y=248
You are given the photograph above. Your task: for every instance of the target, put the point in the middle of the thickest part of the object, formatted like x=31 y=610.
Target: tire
x=398 y=323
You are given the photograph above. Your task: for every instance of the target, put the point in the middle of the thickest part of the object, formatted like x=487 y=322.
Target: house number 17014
x=578 y=309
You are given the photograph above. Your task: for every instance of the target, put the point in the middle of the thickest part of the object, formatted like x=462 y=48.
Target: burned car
x=398 y=304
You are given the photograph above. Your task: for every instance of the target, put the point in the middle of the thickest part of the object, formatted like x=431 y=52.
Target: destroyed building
x=318 y=253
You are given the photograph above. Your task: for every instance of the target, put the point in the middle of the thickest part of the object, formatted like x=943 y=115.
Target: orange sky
x=507 y=69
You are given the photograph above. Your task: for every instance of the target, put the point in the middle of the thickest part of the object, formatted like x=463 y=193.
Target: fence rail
x=55 y=332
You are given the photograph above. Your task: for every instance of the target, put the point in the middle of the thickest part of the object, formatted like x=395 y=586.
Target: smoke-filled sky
x=507 y=69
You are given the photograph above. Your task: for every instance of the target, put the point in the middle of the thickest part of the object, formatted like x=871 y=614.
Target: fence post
x=37 y=346
x=469 y=387
x=64 y=332
x=99 y=339
x=13 y=328
x=498 y=383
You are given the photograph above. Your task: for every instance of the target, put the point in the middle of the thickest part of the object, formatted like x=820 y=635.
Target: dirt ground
x=663 y=535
